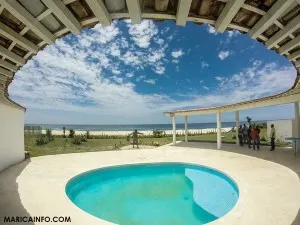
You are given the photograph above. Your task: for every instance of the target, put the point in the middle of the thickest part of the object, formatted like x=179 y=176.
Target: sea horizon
x=129 y=127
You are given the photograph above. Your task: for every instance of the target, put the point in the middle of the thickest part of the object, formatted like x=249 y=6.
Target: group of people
x=251 y=135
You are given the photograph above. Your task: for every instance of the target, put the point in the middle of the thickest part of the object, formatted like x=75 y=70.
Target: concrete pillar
x=296 y=105
x=174 y=129
x=185 y=129
x=219 y=138
x=297 y=124
x=237 y=125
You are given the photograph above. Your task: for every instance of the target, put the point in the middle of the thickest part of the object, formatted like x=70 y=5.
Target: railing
x=32 y=129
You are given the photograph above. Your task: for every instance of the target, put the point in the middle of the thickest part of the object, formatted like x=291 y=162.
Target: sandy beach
x=145 y=132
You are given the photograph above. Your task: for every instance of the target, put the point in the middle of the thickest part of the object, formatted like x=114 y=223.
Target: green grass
x=62 y=145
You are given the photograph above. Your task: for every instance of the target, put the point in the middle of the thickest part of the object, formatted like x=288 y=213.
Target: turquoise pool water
x=154 y=194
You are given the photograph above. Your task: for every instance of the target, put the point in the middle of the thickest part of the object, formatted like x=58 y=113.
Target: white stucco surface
x=283 y=128
x=269 y=192
x=11 y=135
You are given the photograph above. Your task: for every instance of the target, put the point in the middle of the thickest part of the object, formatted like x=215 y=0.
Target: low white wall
x=11 y=135
x=283 y=129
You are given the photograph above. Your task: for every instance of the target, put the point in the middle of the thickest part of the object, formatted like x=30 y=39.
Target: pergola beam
x=241 y=106
x=3 y=78
x=15 y=37
x=228 y=13
x=293 y=56
x=290 y=45
x=25 y=17
x=64 y=15
x=134 y=9
x=270 y=17
x=12 y=56
x=183 y=10
x=6 y=73
x=8 y=65
x=100 y=11
x=283 y=33
x=297 y=63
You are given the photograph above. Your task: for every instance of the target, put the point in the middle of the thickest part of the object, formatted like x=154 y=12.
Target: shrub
x=88 y=134
x=234 y=137
x=157 y=133
x=156 y=143
x=263 y=138
x=71 y=133
x=83 y=138
x=49 y=135
x=41 y=140
x=76 y=140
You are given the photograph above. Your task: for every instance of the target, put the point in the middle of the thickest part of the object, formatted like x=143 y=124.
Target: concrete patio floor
x=268 y=181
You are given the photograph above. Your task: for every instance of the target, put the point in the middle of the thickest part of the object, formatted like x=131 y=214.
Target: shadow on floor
x=283 y=156
x=297 y=219
x=10 y=202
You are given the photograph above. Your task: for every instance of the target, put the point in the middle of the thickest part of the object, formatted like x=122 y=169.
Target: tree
x=249 y=119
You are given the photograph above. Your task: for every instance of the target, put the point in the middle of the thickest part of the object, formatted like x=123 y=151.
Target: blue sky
x=126 y=74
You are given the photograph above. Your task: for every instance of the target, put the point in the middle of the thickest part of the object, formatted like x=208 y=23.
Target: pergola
x=27 y=26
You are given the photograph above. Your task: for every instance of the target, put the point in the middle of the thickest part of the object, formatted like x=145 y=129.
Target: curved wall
x=11 y=135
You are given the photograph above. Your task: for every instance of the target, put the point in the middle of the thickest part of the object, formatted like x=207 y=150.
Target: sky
x=131 y=74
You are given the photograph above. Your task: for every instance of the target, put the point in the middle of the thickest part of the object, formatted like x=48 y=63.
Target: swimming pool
x=152 y=194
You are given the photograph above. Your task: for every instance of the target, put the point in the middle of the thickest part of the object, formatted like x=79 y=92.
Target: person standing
x=272 y=136
x=258 y=132
x=135 y=140
x=254 y=136
x=240 y=135
x=249 y=137
x=245 y=134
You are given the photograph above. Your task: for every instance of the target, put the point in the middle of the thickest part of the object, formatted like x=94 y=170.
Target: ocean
x=140 y=127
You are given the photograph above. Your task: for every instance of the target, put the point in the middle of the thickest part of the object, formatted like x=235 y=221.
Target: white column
x=297 y=124
x=186 y=129
x=219 y=138
x=174 y=129
x=237 y=125
x=296 y=105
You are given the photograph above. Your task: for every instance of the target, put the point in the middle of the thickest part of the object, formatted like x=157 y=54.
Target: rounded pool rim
x=221 y=174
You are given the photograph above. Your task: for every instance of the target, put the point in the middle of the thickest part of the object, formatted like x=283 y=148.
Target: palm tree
x=249 y=119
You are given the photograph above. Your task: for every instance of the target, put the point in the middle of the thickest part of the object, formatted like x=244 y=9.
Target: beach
x=145 y=132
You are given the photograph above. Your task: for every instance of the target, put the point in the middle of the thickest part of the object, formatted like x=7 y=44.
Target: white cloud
x=223 y=54
x=129 y=75
x=140 y=78
x=219 y=78
x=143 y=33
x=89 y=74
x=160 y=70
x=175 y=61
x=178 y=53
x=211 y=30
x=204 y=64
x=233 y=33
x=150 y=81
